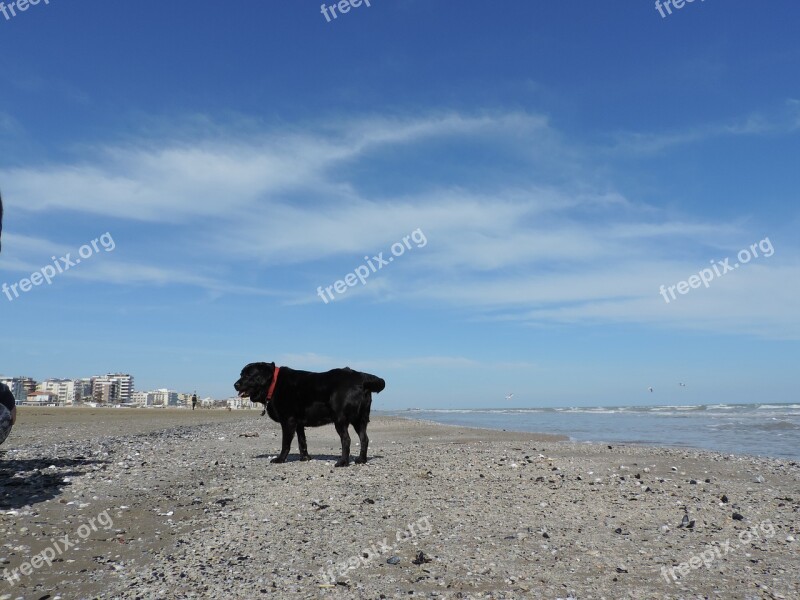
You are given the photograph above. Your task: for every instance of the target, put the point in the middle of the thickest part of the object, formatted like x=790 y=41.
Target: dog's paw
x=277 y=460
x=263 y=412
x=360 y=461
x=342 y=463
x=305 y=457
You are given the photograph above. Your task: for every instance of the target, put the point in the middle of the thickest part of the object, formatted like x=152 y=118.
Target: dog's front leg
x=286 y=443
x=301 y=441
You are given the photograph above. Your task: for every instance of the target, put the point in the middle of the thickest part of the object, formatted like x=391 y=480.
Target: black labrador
x=298 y=399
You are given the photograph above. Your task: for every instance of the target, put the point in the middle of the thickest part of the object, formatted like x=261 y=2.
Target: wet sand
x=179 y=504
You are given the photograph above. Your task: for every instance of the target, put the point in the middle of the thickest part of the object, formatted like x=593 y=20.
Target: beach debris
x=758 y=479
x=621 y=569
x=737 y=517
x=319 y=505
x=724 y=499
x=393 y=560
x=686 y=522
x=693 y=481
x=249 y=434
x=369 y=501
x=789 y=538
x=421 y=559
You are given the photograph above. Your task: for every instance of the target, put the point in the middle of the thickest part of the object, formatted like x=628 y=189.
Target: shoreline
x=198 y=511
x=762 y=442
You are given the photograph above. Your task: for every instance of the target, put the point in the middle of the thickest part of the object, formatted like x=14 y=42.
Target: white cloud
x=531 y=251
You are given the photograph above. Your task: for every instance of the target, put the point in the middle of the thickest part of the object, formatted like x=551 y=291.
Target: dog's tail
x=373 y=384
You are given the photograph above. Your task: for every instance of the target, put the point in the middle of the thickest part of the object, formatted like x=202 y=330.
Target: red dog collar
x=271 y=389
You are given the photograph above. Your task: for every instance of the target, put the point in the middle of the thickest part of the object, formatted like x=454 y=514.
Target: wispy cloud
x=538 y=252
x=784 y=121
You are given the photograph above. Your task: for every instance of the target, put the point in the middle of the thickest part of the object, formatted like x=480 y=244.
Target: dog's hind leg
x=301 y=441
x=360 y=425
x=341 y=429
x=288 y=430
x=361 y=430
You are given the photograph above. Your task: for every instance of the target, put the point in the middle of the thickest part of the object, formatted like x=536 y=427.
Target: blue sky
x=563 y=161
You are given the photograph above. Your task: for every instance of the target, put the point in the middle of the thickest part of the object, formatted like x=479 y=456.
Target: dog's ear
x=262 y=370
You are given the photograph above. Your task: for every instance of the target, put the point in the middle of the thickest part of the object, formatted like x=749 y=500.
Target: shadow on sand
x=30 y=481
x=323 y=457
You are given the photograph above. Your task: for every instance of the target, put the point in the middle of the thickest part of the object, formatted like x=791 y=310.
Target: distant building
x=105 y=391
x=83 y=390
x=164 y=397
x=114 y=388
x=142 y=399
x=185 y=400
x=237 y=403
x=64 y=389
x=42 y=399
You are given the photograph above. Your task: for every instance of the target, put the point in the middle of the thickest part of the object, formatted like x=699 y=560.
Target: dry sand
x=175 y=504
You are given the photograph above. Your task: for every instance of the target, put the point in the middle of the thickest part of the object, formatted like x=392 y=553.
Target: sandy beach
x=174 y=504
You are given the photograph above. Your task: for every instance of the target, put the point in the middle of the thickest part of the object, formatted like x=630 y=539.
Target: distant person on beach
x=194 y=401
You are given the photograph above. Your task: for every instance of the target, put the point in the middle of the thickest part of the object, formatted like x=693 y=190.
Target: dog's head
x=254 y=381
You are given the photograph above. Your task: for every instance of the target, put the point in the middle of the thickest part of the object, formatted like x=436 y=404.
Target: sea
x=753 y=429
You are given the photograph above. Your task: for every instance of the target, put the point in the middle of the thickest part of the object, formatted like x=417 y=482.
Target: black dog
x=298 y=399
x=8 y=408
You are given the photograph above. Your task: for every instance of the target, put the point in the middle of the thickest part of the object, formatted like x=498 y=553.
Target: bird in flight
x=509 y=396
x=650 y=388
